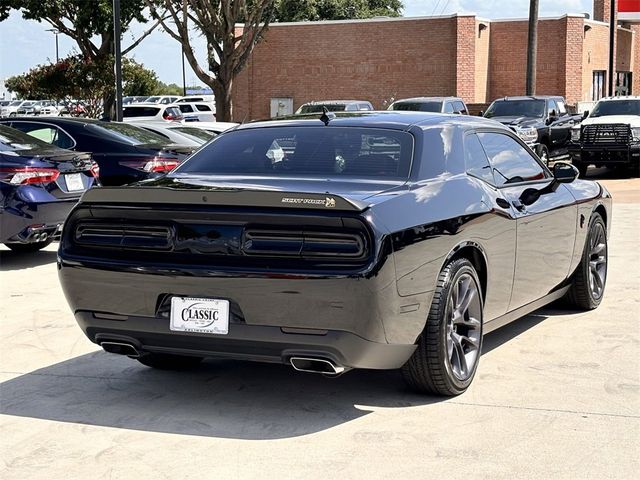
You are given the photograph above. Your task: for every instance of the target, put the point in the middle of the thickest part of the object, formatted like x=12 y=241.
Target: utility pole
x=118 y=59
x=612 y=38
x=532 y=47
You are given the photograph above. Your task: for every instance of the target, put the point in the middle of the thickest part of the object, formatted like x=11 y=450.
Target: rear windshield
x=12 y=139
x=131 y=134
x=616 y=107
x=317 y=108
x=310 y=151
x=140 y=111
x=418 y=106
x=516 y=108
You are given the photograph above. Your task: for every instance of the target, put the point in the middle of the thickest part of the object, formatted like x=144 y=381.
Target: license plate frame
x=198 y=315
x=74 y=182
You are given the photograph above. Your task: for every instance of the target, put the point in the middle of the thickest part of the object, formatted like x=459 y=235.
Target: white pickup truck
x=609 y=135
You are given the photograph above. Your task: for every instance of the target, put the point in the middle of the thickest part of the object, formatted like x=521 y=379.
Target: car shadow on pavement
x=10 y=260
x=221 y=398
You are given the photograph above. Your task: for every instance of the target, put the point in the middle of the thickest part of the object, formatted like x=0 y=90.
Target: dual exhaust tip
x=301 y=364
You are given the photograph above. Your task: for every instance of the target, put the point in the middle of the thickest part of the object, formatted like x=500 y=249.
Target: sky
x=26 y=43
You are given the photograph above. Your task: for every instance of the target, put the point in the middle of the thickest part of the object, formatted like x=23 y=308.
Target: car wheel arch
x=473 y=252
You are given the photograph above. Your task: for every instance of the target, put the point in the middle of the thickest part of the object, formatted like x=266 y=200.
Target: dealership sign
x=629 y=10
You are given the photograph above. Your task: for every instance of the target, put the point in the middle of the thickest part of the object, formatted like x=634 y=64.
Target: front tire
x=169 y=361
x=590 y=278
x=543 y=154
x=448 y=351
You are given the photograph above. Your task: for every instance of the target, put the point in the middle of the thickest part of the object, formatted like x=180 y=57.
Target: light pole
x=118 y=55
x=532 y=48
x=56 y=32
x=612 y=40
x=184 y=82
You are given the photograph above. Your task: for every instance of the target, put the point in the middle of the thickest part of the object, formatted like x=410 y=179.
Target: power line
x=435 y=8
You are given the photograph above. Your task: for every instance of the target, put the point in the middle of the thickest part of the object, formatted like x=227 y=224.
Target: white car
x=151 y=112
x=11 y=110
x=178 y=133
x=608 y=135
x=197 y=98
x=212 y=127
x=161 y=99
x=197 y=111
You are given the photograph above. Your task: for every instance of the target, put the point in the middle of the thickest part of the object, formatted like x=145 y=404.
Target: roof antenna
x=327 y=116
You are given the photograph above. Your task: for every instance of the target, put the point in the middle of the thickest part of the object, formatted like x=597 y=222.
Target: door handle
x=502 y=203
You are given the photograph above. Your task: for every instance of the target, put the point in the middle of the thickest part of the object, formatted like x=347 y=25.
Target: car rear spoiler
x=236 y=197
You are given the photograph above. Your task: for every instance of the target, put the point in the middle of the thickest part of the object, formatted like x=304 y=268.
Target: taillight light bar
x=28 y=175
x=154 y=164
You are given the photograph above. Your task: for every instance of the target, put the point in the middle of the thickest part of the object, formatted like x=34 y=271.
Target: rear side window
x=203 y=108
x=129 y=112
x=476 y=161
x=448 y=107
x=46 y=133
x=417 y=106
x=510 y=161
x=311 y=151
x=186 y=108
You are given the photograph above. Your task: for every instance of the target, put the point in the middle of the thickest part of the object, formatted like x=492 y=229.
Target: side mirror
x=585 y=114
x=564 y=172
x=481 y=113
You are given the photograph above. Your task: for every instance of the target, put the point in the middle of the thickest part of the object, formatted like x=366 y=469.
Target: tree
x=88 y=22
x=168 y=89
x=228 y=48
x=77 y=78
x=305 y=10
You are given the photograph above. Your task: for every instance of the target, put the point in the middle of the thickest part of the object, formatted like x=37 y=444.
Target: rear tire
x=590 y=278
x=169 y=361
x=28 y=247
x=448 y=351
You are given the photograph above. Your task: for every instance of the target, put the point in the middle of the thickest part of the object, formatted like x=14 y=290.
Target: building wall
x=636 y=61
x=624 y=52
x=482 y=61
x=595 y=55
x=370 y=60
x=508 y=57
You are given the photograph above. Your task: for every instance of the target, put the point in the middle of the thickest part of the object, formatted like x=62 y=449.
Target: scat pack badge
x=328 y=202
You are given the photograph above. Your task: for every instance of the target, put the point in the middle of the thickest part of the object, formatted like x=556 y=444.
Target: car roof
x=625 y=97
x=335 y=102
x=391 y=119
x=530 y=97
x=427 y=99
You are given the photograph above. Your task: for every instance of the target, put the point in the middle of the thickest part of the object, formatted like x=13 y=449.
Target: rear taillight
x=28 y=175
x=169 y=116
x=155 y=164
x=95 y=170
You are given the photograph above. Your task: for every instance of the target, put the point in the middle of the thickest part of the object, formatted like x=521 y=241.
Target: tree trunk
x=224 y=107
x=109 y=105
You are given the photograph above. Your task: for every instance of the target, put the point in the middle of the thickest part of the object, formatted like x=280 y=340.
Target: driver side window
x=510 y=161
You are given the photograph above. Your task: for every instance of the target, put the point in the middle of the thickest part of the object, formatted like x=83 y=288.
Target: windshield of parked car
x=128 y=133
x=195 y=132
x=16 y=103
x=128 y=112
x=317 y=108
x=15 y=140
x=616 y=107
x=417 y=106
x=317 y=152
x=516 y=108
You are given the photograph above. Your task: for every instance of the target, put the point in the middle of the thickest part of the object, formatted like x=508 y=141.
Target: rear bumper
x=23 y=221
x=244 y=342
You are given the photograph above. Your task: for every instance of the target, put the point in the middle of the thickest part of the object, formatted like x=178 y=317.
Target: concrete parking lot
x=557 y=396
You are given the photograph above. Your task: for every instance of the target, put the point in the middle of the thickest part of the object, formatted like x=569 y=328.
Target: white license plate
x=200 y=315
x=74 y=182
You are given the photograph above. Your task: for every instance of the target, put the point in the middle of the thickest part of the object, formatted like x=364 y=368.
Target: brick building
x=463 y=55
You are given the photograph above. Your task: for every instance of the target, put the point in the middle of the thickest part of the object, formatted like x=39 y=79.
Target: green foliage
x=168 y=89
x=313 y=10
x=137 y=80
x=76 y=77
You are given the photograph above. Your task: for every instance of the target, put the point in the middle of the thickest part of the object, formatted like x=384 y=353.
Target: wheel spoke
x=598 y=248
x=466 y=300
x=461 y=356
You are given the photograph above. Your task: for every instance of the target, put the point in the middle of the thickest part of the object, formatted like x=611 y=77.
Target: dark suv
x=543 y=122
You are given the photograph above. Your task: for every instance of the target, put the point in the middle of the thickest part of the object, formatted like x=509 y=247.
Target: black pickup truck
x=543 y=122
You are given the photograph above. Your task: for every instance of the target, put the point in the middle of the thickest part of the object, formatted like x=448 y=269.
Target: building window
x=598 y=87
x=623 y=83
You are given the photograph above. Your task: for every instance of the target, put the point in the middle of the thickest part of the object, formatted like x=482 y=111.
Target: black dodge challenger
x=376 y=240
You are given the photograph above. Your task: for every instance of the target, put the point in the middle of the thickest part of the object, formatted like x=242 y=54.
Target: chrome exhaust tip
x=120 y=348
x=316 y=365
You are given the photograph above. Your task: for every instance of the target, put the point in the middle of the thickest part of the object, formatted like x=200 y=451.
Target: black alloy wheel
x=590 y=278
x=448 y=351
